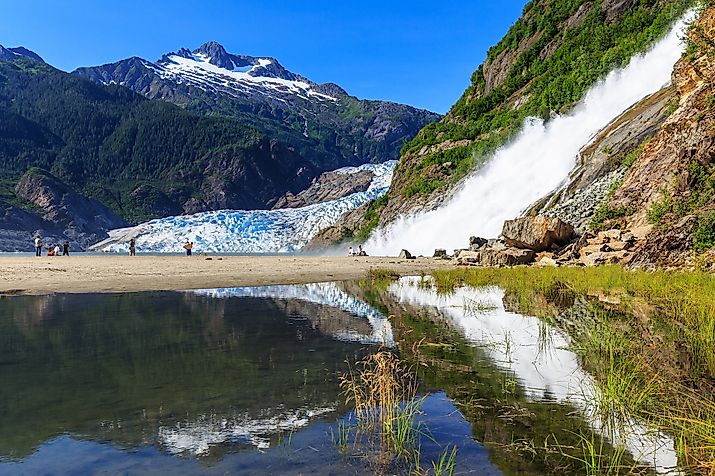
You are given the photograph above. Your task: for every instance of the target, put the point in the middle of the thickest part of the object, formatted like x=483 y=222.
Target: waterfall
x=536 y=162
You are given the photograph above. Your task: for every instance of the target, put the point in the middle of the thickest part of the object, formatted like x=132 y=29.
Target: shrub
x=704 y=233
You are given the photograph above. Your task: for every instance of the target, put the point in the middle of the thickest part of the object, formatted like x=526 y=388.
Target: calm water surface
x=245 y=380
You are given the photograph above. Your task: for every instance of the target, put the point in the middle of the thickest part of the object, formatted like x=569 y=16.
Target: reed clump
x=384 y=394
x=388 y=432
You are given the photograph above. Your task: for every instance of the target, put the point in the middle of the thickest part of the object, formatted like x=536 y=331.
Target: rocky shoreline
x=549 y=241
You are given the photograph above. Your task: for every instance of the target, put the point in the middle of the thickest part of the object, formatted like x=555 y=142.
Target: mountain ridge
x=322 y=121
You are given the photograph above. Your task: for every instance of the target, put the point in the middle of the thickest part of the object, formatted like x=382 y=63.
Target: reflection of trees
x=119 y=366
x=514 y=428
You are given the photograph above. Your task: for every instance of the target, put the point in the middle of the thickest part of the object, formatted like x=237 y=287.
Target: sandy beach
x=119 y=273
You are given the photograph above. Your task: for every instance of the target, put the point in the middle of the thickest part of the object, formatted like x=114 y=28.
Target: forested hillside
x=141 y=158
x=322 y=122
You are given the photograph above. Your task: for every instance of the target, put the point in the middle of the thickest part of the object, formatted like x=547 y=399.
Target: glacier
x=247 y=231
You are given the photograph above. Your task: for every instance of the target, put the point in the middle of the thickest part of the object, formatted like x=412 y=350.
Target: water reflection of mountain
x=180 y=370
x=344 y=316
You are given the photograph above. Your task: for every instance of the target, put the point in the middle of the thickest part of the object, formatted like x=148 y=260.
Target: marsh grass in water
x=476 y=307
x=687 y=298
x=445 y=464
x=617 y=348
x=388 y=433
x=599 y=459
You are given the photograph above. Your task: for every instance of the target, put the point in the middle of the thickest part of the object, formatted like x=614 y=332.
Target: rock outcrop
x=496 y=258
x=601 y=163
x=537 y=233
x=328 y=186
x=671 y=185
x=60 y=212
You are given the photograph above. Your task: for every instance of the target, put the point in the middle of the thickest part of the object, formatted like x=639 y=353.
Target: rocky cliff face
x=60 y=214
x=671 y=186
x=542 y=67
x=328 y=186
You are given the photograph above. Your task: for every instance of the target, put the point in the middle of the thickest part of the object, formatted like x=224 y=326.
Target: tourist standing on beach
x=38 y=245
x=57 y=250
x=66 y=248
x=188 y=246
x=132 y=247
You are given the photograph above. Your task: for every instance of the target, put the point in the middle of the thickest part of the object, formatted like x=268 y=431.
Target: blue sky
x=420 y=52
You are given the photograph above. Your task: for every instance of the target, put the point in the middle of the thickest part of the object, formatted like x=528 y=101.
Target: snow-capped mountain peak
x=211 y=68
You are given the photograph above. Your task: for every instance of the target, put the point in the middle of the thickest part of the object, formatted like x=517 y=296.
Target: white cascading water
x=536 y=162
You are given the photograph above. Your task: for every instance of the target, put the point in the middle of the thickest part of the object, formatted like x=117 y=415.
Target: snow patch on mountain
x=248 y=231
x=196 y=69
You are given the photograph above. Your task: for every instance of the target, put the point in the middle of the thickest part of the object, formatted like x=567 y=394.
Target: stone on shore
x=496 y=257
x=537 y=233
x=404 y=254
x=440 y=253
x=476 y=242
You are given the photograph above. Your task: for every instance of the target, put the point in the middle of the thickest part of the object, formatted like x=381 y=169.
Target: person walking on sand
x=188 y=246
x=132 y=247
x=38 y=245
x=66 y=248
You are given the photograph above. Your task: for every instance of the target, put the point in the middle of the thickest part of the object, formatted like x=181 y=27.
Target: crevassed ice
x=546 y=372
x=248 y=231
x=328 y=294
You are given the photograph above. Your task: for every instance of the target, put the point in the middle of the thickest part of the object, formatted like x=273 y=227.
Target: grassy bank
x=651 y=345
x=686 y=299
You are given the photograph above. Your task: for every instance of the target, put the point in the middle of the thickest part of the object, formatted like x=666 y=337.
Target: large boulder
x=404 y=254
x=538 y=233
x=476 y=242
x=495 y=258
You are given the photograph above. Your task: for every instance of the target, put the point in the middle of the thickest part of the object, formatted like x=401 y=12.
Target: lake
x=247 y=381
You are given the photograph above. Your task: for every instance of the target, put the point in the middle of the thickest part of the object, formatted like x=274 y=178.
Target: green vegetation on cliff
x=544 y=65
x=141 y=158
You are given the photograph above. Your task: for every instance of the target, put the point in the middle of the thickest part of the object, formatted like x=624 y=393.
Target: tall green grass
x=680 y=304
x=686 y=298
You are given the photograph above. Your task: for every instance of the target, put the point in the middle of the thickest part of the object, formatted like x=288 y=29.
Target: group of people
x=188 y=246
x=55 y=250
x=359 y=252
x=64 y=250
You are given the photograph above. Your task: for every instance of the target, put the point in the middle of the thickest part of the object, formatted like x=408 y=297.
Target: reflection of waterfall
x=534 y=164
x=328 y=294
x=537 y=354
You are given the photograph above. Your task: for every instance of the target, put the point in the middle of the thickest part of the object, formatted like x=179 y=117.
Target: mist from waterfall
x=536 y=162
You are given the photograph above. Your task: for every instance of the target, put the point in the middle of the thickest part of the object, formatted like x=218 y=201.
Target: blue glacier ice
x=248 y=231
